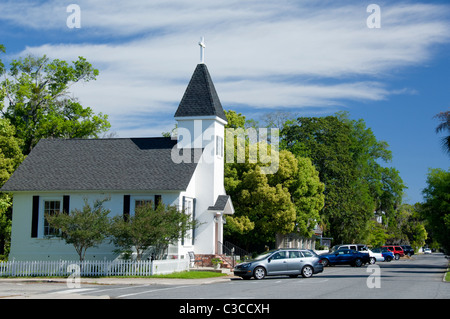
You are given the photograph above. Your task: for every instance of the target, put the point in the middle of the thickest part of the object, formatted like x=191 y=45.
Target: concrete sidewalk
x=131 y=281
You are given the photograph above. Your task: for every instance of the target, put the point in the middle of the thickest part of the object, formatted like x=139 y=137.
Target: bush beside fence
x=91 y=268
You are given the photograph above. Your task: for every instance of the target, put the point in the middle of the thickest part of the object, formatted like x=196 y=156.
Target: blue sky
x=308 y=57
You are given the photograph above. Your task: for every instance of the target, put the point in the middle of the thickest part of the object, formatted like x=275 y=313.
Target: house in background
x=188 y=172
x=294 y=240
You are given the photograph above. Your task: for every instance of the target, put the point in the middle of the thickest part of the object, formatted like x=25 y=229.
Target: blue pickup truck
x=345 y=257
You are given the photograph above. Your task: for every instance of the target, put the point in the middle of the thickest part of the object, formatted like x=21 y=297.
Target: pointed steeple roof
x=200 y=97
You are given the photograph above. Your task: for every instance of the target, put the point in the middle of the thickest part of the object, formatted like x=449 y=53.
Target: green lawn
x=190 y=275
x=181 y=275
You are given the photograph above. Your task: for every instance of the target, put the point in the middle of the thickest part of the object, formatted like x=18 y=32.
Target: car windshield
x=263 y=255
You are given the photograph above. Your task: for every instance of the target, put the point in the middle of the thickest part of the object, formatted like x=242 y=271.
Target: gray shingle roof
x=101 y=164
x=200 y=97
x=223 y=203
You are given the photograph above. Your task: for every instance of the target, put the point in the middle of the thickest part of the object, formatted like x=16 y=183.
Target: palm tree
x=444 y=117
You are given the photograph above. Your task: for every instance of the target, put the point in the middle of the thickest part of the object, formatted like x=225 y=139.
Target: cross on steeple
x=202 y=49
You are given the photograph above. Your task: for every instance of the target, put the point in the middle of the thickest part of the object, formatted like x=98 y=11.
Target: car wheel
x=307 y=272
x=358 y=262
x=325 y=262
x=397 y=256
x=372 y=260
x=259 y=273
x=388 y=259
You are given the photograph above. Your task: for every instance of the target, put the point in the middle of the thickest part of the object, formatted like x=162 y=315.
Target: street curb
x=123 y=281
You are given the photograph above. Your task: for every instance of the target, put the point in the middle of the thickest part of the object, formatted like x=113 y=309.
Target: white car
x=427 y=251
x=375 y=256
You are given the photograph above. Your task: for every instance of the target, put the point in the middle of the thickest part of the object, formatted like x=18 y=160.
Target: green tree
x=436 y=208
x=407 y=227
x=285 y=201
x=326 y=141
x=150 y=227
x=346 y=154
x=10 y=158
x=444 y=126
x=377 y=234
x=83 y=228
x=301 y=179
x=5 y=225
x=2 y=66
x=39 y=103
x=10 y=151
x=260 y=207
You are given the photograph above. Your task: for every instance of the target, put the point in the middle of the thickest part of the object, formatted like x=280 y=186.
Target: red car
x=396 y=250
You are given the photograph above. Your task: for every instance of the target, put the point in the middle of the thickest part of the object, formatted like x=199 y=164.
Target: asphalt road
x=420 y=277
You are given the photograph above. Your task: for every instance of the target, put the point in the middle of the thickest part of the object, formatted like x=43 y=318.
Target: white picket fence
x=91 y=268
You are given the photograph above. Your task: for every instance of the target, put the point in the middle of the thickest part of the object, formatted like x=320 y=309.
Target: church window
x=219 y=146
x=51 y=207
x=140 y=203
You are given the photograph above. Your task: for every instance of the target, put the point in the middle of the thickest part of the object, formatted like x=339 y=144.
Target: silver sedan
x=290 y=262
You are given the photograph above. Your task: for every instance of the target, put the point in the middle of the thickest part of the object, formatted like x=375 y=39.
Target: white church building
x=188 y=172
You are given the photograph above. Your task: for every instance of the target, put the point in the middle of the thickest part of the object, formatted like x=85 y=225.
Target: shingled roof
x=223 y=204
x=200 y=97
x=102 y=164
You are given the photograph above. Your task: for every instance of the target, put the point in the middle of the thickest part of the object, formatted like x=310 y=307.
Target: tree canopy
x=285 y=201
x=444 y=126
x=39 y=104
x=330 y=168
x=10 y=158
x=436 y=207
x=347 y=156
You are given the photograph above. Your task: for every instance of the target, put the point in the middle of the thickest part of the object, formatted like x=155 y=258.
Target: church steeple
x=200 y=98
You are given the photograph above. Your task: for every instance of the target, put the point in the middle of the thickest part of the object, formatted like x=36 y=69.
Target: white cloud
x=265 y=54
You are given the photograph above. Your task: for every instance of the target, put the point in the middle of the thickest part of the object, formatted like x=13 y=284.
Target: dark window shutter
x=193 y=218
x=157 y=200
x=183 y=207
x=66 y=204
x=126 y=207
x=35 y=217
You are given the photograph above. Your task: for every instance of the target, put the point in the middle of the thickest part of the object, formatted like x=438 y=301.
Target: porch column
x=218 y=233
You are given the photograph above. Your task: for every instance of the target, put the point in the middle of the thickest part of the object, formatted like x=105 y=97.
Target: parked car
x=408 y=250
x=427 y=251
x=357 y=247
x=386 y=253
x=345 y=257
x=290 y=262
x=375 y=256
x=396 y=250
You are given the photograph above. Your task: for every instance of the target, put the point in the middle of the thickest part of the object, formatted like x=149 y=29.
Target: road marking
x=72 y=290
x=149 y=291
x=114 y=288
x=309 y=281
